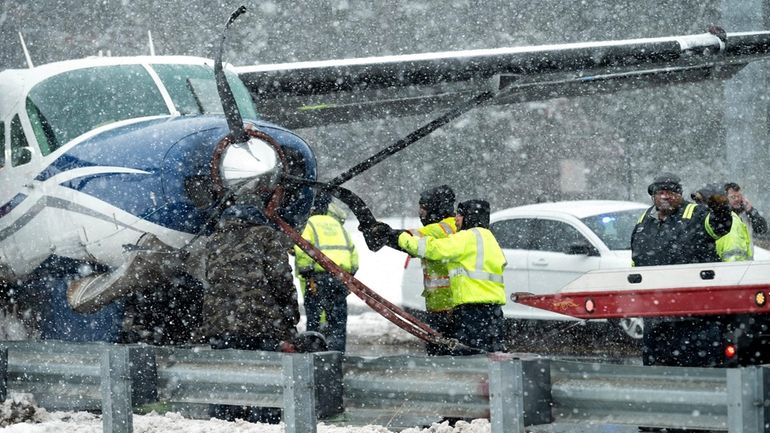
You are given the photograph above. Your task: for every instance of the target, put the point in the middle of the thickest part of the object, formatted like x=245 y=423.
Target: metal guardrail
x=734 y=399
x=396 y=391
x=116 y=378
x=405 y=391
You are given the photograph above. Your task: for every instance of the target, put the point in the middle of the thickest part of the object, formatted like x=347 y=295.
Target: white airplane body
x=42 y=217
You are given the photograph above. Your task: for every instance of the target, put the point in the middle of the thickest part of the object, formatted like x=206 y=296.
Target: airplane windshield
x=194 y=90
x=72 y=103
x=614 y=229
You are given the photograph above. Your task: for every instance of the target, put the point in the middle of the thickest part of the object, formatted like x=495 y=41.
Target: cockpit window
x=194 y=90
x=72 y=103
x=2 y=144
x=20 y=151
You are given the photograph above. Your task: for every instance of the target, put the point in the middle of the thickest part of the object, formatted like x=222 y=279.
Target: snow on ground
x=83 y=422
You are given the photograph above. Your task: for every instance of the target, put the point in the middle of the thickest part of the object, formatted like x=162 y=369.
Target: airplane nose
x=250 y=164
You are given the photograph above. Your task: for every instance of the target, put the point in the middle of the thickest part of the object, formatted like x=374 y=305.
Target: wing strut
x=413 y=137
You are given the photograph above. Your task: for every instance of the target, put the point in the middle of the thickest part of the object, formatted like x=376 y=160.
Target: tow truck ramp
x=660 y=291
x=512 y=391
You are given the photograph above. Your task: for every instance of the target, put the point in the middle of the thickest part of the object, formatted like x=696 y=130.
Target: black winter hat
x=665 y=181
x=321 y=203
x=475 y=213
x=439 y=202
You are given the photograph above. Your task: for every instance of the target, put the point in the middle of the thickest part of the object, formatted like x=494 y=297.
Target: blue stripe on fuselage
x=165 y=152
x=8 y=207
x=142 y=146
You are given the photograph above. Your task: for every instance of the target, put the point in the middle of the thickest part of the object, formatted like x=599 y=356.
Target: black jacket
x=682 y=238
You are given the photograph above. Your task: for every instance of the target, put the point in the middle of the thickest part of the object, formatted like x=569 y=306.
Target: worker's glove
x=716 y=199
x=721 y=218
x=376 y=235
x=310 y=341
x=391 y=238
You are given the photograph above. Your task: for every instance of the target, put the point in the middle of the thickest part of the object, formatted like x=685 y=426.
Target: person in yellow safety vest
x=475 y=264
x=437 y=208
x=324 y=294
x=735 y=246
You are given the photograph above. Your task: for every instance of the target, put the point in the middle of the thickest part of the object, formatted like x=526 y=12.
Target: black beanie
x=321 y=203
x=666 y=181
x=439 y=202
x=475 y=213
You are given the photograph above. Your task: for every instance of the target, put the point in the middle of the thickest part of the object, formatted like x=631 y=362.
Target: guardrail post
x=747 y=405
x=299 y=412
x=328 y=384
x=3 y=374
x=506 y=395
x=117 y=410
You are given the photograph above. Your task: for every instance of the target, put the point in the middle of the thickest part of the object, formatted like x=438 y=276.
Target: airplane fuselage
x=95 y=153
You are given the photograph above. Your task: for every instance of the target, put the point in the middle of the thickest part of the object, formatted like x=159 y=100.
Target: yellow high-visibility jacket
x=735 y=246
x=328 y=235
x=436 y=289
x=474 y=261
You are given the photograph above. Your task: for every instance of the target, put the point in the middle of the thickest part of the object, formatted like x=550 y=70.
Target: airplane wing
x=308 y=94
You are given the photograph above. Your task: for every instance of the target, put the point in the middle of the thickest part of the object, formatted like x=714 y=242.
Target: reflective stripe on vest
x=641 y=217
x=317 y=243
x=422 y=247
x=688 y=211
x=446 y=227
x=478 y=273
x=433 y=283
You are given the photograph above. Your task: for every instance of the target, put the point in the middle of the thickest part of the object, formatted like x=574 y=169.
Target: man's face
x=735 y=198
x=459 y=221
x=666 y=200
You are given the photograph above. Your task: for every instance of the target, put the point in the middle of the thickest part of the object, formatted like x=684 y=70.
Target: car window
x=614 y=228
x=513 y=233
x=550 y=235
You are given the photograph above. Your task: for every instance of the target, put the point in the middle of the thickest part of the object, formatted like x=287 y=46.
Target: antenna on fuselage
x=26 y=52
x=149 y=41
x=233 y=116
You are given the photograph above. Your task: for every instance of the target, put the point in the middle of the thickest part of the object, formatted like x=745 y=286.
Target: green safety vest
x=328 y=235
x=435 y=275
x=474 y=259
x=735 y=246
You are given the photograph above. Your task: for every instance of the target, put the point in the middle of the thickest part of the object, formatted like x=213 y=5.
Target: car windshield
x=614 y=228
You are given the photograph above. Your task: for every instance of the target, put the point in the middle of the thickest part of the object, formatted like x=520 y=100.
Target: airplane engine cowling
x=202 y=167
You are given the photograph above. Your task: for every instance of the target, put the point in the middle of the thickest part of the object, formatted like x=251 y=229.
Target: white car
x=548 y=245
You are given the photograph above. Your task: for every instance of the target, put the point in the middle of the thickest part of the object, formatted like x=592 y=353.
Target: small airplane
x=104 y=159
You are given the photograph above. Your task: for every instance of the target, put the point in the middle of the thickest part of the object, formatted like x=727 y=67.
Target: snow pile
x=475 y=426
x=83 y=422
x=372 y=328
x=20 y=408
